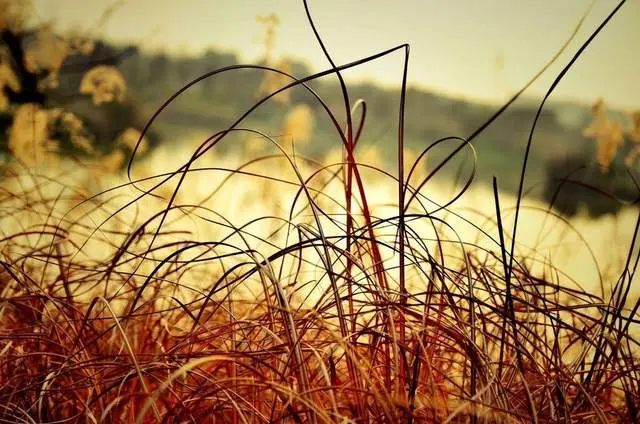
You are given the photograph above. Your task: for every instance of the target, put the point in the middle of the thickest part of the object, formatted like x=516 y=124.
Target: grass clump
x=282 y=288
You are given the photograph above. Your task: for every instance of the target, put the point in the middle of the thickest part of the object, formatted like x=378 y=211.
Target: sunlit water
x=585 y=253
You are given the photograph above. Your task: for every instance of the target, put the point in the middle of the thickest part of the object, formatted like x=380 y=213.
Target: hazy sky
x=478 y=49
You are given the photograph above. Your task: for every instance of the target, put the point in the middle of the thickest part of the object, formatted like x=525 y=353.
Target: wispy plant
x=182 y=296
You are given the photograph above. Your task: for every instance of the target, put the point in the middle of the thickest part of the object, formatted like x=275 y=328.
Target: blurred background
x=91 y=74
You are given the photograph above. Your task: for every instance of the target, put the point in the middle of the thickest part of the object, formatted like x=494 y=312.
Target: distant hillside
x=216 y=102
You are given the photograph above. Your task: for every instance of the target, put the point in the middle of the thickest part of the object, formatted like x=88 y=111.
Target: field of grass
x=195 y=286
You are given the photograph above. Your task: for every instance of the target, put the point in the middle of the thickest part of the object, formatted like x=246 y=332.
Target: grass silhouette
x=141 y=304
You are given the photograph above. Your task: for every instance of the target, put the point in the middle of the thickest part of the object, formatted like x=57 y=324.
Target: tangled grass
x=282 y=288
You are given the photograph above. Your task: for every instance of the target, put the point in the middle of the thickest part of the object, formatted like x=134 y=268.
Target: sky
x=482 y=50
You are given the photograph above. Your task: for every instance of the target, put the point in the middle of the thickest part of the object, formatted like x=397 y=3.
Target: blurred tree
x=591 y=179
x=58 y=93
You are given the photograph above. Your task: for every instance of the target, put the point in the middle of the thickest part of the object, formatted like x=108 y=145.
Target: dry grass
x=282 y=290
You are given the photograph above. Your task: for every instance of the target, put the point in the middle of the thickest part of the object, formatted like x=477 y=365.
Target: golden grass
x=279 y=288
